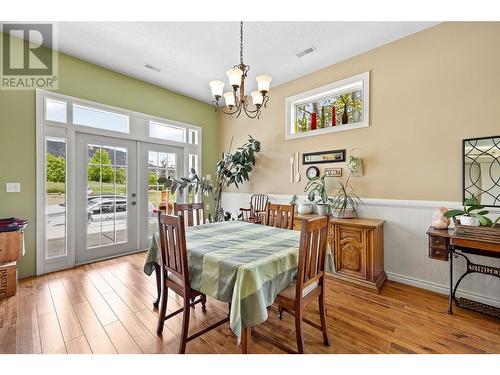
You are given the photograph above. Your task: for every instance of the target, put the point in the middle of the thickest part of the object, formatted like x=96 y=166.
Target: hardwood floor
x=106 y=307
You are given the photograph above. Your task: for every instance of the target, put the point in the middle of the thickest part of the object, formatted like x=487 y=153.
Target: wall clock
x=312 y=172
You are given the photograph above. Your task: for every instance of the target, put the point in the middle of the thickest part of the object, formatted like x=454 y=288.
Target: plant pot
x=469 y=220
x=321 y=209
x=348 y=213
x=304 y=208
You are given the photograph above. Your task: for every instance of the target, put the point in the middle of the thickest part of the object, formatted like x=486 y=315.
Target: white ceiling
x=190 y=54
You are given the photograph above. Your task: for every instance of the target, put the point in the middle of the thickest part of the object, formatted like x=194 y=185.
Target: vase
x=304 y=208
x=439 y=221
x=356 y=115
x=469 y=220
x=334 y=116
x=345 y=117
x=313 y=121
x=348 y=213
x=321 y=209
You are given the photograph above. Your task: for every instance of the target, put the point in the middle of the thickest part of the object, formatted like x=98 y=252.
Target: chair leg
x=203 y=302
x=280 y=312
x=322 y=314
x=185 y=326
x=298 y=331
x=162 y=311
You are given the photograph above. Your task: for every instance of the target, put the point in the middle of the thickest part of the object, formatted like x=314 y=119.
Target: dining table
x=241 y=263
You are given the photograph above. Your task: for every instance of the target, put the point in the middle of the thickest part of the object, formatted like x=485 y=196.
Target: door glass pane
x=55 y=197
x=160 y=165
x=106 y=195
x=97 y=118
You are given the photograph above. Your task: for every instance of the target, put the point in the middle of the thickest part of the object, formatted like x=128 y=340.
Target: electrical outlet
x=13 y=187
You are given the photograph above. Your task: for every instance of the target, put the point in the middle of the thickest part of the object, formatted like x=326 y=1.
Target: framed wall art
x=335 y=156
x=339 y=106
x=332 y=172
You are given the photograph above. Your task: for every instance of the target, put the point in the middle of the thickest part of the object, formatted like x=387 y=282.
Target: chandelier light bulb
x=234 y=76
x=217 y=88
x=263 y=83
x=229 y=99
x=257 y=98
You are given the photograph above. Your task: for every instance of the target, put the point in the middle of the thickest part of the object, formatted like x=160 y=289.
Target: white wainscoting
x=405 y=245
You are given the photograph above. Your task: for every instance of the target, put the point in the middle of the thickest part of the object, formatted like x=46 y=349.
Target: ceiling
x=190 y=54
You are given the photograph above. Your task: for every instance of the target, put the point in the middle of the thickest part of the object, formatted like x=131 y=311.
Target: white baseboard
x=442 y=289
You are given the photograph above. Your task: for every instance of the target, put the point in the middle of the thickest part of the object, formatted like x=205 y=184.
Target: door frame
x=139 y=132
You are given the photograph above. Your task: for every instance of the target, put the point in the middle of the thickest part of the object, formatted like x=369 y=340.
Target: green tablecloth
x=242 y=263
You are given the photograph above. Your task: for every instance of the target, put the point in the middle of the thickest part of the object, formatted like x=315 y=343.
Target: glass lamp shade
x=216 y=87
x=263 y=83
x=229 y=99
x=234 y=76
x=257 y=97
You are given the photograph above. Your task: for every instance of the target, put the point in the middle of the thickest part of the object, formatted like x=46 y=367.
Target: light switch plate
x=13 y=187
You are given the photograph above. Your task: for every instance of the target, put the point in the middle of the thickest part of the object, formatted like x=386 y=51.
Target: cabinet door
x=351 y=250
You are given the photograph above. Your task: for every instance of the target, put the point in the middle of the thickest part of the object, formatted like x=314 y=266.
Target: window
x=55 y=197
x=193 y=137
x=55 y=111
x=160 y=164
x=96 y=118
x=167 y=132
x=339 y=106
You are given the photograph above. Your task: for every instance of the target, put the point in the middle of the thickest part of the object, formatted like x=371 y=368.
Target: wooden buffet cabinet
x=358 y=250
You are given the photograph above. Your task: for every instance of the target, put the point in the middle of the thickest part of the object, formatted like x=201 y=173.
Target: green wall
x=83 y=80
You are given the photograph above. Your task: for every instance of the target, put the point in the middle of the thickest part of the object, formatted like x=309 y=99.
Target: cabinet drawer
x=441 y=242
x=438 y=253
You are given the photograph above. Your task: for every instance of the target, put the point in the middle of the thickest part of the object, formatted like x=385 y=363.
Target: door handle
x=133 y=203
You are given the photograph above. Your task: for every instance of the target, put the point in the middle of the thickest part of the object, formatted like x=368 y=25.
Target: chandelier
x=237 y=102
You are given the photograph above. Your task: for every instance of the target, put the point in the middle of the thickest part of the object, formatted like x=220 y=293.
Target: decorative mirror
x=481 y=170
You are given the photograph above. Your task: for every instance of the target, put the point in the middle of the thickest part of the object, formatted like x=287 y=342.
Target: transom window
x=97 y=118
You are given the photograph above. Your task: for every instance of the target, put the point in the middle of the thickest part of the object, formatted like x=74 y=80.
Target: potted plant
x=316 y=187
x=344 y=203
x=472 y=214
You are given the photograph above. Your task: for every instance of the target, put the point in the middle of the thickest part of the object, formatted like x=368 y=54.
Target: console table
x=358 y=250
x=445 y=244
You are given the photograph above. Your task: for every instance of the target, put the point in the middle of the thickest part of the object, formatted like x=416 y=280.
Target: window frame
x=335 y=88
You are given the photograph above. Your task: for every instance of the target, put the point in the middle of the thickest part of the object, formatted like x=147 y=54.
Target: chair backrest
x=258 y=202
x=312 y=252
x=280 y=215
x=173 y=256
x=190 y=211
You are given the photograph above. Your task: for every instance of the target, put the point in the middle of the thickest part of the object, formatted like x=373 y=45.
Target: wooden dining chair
x=280 y=215
x=309 y=285
x=191 y=211
x=258 y=206
x=175 y=276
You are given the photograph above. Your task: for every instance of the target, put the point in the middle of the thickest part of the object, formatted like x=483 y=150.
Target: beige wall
x=428 y=91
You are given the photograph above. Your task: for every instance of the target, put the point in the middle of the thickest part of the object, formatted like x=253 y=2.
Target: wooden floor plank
x=94 y=332
x=70 y=326
x=27 y=333
x=123 y=342
x=50 y=334
x=78 y=346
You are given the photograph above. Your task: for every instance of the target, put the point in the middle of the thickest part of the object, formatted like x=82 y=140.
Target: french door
x=156 y=161
x=106 y=197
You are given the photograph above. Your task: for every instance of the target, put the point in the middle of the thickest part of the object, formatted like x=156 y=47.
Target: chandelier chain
x=241 y=42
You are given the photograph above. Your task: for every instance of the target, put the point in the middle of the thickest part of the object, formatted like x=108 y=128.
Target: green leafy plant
x=316 y=188
x=472 y=208
x=343 y=199
x=294 y=199
x=233 y=169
